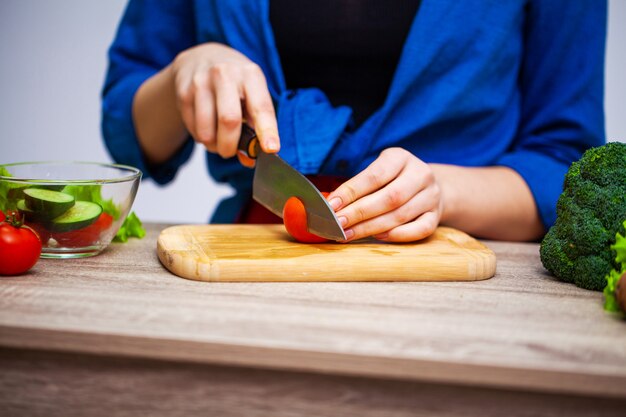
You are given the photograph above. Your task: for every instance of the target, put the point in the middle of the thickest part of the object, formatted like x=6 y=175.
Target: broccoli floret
x=590 y=212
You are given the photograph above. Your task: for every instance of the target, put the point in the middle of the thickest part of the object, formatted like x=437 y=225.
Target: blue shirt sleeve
x=562 y=87
x=150 y=35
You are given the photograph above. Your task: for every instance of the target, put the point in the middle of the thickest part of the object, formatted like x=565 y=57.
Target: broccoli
x=590 y=212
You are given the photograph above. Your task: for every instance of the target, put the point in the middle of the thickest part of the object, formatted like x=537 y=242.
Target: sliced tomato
x=86 y=236
x=44 y=235
x=294 y=218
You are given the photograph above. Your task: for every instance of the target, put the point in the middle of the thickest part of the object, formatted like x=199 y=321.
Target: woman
x=466 y=114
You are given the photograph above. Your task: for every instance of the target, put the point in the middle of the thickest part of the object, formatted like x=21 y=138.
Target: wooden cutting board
x=267 y=253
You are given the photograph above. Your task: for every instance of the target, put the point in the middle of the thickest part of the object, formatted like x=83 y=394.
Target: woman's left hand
x=395 y=199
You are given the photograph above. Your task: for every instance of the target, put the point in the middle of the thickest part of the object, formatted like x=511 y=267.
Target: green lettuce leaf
x=132 y=227
x=93 y=193
x=610 y=303
x=5 y=188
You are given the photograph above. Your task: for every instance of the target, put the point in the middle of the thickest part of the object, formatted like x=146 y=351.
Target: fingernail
x=272 y=144
x=349 y=234
x=335 y=203
x=343 y=221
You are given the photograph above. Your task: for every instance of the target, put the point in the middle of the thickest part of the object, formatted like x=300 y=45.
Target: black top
x=347 y=48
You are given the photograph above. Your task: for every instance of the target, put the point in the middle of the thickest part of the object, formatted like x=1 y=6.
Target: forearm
x=490 y=202
x=158 y=125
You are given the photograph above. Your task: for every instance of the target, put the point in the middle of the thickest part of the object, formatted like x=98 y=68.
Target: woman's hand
x=395 y=199
x=216 y=89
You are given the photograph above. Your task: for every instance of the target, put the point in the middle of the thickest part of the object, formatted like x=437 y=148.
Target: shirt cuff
x=544 y=177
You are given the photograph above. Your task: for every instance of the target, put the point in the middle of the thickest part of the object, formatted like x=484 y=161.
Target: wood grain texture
x=521 y=329
x=267 y=253
x=68 y=385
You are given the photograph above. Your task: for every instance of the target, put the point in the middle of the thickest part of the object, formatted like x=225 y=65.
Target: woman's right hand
x=217 y=88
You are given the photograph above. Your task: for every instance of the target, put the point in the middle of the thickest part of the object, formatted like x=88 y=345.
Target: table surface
x=521 y=329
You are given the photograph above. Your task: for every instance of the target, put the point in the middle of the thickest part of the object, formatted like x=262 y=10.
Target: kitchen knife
x=275 y=181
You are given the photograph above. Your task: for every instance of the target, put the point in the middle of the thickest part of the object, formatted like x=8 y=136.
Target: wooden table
x=117 y=335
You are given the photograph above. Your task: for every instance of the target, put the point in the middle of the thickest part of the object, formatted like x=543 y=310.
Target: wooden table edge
x=337 y=363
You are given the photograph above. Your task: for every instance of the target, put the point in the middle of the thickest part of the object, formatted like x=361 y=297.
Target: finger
x=188 y=115
x=204 y=114
x=229 y=114
x=260 y=109
x=425 y=201
x=185 y=100
x=394 y=195
x=420 y=228
x=379 y=173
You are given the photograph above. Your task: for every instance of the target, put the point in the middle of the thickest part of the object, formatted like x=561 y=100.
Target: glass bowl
x=75 y=207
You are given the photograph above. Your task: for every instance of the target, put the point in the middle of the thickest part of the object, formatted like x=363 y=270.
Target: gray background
x=53 y=59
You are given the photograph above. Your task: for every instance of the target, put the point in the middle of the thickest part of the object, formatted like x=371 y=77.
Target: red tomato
x=294 y=218
x=2 y=216
x=86 y=236
x=20 y=247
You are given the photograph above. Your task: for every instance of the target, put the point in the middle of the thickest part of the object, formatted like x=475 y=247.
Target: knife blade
x=275 y=181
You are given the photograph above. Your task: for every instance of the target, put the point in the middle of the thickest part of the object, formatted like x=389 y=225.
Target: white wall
x=52 y=63
x=615 y=82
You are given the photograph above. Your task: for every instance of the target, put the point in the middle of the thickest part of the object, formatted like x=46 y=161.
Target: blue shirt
x=516 y=83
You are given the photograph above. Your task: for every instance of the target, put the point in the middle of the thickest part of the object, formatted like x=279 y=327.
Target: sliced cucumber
x=53 y=203
x=16 y=192
x=82 y=214
x=53 y=187
x=30 y=215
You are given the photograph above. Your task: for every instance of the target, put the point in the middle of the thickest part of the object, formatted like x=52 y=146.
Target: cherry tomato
x=20 y=246
x=86 y=236
x=2 y=216
x=294 y=218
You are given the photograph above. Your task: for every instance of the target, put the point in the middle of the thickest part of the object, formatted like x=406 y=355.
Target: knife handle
x=248 y=141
